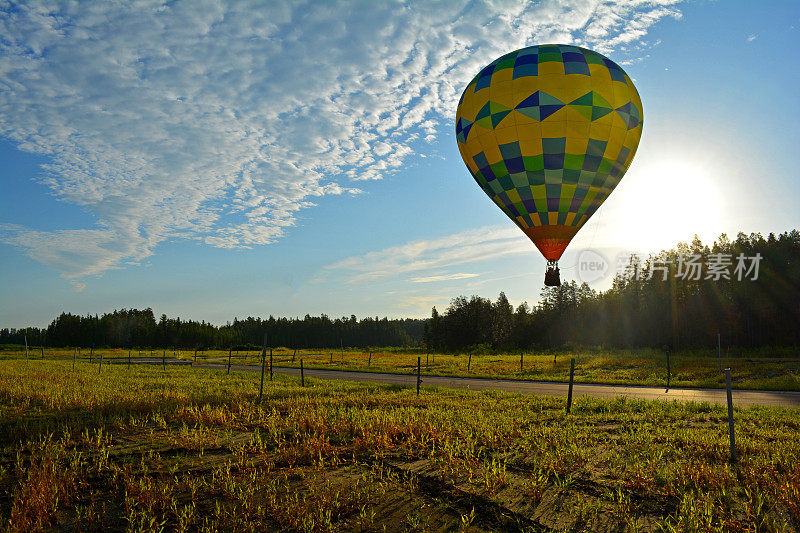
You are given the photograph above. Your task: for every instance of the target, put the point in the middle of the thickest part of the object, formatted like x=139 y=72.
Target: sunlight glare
x=670 y=202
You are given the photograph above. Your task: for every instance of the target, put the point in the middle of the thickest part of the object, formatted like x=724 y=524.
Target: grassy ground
x=767 y=370
x=142 y=449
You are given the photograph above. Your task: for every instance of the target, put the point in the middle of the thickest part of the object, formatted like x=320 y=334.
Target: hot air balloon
x=548 y=131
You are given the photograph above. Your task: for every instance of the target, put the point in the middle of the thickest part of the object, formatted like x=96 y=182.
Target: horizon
x=440 y=308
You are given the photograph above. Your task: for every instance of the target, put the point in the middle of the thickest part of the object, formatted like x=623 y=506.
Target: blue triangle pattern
x=539 y=105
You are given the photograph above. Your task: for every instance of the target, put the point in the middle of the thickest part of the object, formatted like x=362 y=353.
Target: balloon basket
x=552 y=276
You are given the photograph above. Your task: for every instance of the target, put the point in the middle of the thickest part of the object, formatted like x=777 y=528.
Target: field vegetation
x=765 y=369
x=182 y=449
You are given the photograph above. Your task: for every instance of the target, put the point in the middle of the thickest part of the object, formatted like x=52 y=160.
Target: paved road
x=740 y=397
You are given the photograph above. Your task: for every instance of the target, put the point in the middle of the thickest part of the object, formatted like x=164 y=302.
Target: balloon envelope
x=548 y=131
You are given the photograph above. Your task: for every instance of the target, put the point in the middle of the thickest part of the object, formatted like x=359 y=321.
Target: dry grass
x=191 y=450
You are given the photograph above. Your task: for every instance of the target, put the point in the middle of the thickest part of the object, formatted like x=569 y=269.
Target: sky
x=214 y=160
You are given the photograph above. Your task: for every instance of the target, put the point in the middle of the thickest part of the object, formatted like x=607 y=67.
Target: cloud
x=218 y=122
x=752 y=37
x=484 y=281
x=89 y=251
x=444 y=277
x=422 y=303
x=467 y=247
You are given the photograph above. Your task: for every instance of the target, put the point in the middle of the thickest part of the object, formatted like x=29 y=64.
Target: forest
x=652 y=303
x=139 y=328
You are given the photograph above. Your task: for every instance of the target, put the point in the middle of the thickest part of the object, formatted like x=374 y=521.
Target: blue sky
x=235 y=159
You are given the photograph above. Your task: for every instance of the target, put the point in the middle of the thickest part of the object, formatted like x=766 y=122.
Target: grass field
x=143 y=449
x=766 y=370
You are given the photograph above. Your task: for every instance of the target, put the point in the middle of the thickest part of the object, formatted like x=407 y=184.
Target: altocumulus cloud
x=219 y=122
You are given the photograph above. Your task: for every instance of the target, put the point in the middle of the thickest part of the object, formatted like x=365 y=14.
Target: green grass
x=142 y=449
x=763 y=369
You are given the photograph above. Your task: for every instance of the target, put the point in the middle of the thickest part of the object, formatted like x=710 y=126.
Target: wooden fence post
x=26 y=348
x=74 y=355
x=469 y=362
x=164 y=360
x=419 y=376
x=42 y=350
x=230 y=351
x=294 y=354
x=369 y=362
x=263 y=363
x=669 y=370
x=520 y=361
x=271 y=371
x=302 y=374
x=571 y=376
x=730 y=414
x=101 y=363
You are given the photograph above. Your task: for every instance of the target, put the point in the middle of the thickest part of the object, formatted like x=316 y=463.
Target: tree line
x=681 y=298
x=139 y=328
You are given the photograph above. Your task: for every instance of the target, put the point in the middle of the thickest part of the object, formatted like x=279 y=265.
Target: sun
x=670 y=201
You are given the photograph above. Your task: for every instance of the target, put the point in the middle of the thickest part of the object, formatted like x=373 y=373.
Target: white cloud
x=752 y=37
x=77 y=286
x=218 y=122
x=463 y=248
x=421 y=304
x=444 y=277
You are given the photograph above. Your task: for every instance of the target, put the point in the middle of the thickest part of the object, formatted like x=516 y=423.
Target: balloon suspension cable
x=552 y=276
